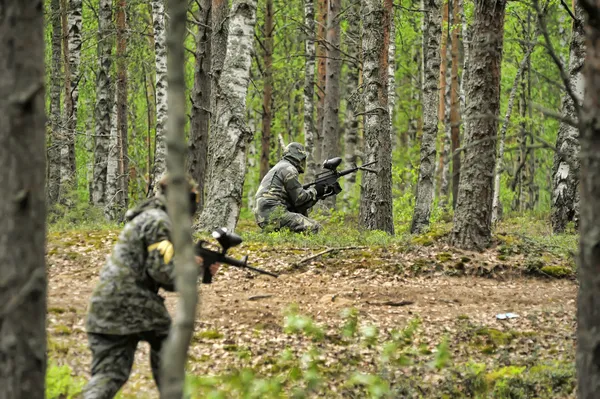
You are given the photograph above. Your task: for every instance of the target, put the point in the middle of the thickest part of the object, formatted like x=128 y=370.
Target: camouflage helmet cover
x=163 y=182
x=296 y=153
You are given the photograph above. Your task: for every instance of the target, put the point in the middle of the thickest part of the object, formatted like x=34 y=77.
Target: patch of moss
x=443 y=256
x=422 y=240
x=208 y=334
x=230 y=348
x=56 y=310
x=61 y=329
x=465 y=259
x=504 y=372
x=557 y=271
x=502 y=257
x=57 y=347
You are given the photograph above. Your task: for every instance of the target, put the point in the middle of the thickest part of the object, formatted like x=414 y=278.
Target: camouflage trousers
x=296 y=222
x=112 y=360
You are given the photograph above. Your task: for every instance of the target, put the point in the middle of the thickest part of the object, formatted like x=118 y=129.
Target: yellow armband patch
x=166 y=249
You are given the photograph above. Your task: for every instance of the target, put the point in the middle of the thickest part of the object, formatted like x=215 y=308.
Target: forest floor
x=424 y=322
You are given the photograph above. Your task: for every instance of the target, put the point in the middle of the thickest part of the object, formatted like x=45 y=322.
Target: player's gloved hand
x=320 y=188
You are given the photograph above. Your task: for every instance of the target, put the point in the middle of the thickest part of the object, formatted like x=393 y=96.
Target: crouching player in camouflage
x=125 y=307
x=281 y=201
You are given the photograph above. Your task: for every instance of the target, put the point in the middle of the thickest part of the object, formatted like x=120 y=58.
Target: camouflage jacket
x=281 y=188
x=126 y=299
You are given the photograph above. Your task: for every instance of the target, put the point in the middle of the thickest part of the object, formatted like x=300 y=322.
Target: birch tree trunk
x=103 y=101
x=445 y=158
x=565 y=170
x=389 y=7
x=353 y=40
x=267 y=114
x=309 y=89
x=472 y=217
x=322 y=11
x=186 y=270
x=230 y=136
x=74 y=21
x=454 y=114
x=200 y=120
x=466 y=39
x=588 y=268
x=509 y=107
x=431 y=64
x=55 y=114
x=67 y=158
x=376 y=196
x=160 y=54
x=22 y=205
x=121 y=104
x=220 y=28
x=333 y=70
x=111 y=208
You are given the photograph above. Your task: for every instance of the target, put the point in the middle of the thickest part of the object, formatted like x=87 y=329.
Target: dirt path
x=243 y=312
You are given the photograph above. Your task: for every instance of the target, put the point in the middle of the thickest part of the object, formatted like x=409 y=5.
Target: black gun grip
x=206 y=275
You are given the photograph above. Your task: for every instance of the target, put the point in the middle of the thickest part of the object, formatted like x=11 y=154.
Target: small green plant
x=60 y=383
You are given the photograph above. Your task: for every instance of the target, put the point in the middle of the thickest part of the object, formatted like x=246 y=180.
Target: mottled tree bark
x=200 y=120
x=220 y=28
x=376 y=196
x=230 y=134
x=443 y=33
x=103 y=101
x=565 y=179
x=353 y=42
x=389 y=7
x=172 y=373
x=121 y=104
x=322 y=11
x=454 y=114
x=431 y=66
x=22 y=204
x=588 y=300
x=111 y=206
x=333 y=70
x=309 y=89
x=67 y=157
x=160 y=54
x=74 y=21
x=472 y=217
x=55 y=109
x=267 y=113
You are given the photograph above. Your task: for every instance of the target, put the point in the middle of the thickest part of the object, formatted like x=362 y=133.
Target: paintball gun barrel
x=330 y=176
x=226 y=240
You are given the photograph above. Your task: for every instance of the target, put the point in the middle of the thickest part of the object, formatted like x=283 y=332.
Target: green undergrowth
x=60 y=382
x=378 y=364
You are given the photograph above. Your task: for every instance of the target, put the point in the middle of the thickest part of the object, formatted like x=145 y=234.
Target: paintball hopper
x=226 y=239
x=332 y=163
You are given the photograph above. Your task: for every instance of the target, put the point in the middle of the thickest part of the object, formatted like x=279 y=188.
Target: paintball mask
x=295 y=153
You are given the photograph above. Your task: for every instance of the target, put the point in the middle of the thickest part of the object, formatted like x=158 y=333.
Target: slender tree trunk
x=322 y=11
x=220 y=28
x=160 y=53
x=122 y=195
x=445 y=160
x=55 y=114
x=309 y=89
x=228 y=140
x=111 y=207
x=472 y=217
x=74 y=21
x=67 y=162
x=454 y=93
x=565 y=171
x=267 y=114
x=200 y=120
x=389 y=7
x=466 y=39
x=352 y=106
x=186 y=270
x=588 y=301
x=22 y=205
x=331 y=120
x=431 y=65
x=103 y=101
x=509 y=107
x=376 y=196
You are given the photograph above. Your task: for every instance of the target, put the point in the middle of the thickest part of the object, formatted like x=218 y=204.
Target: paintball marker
x=330 y=176
x=226 y=240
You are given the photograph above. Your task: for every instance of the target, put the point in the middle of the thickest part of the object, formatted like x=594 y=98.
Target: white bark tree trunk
x=112 y=165
x=160 y=54
x=55 y=109
x=103 y=101
x=565 y=179
x=309 y=88
x=175 y=351
x=22 y=204
x=432 y=26
x=75 y=25
x=392 y=68
x=230 y=136
x=376 y=196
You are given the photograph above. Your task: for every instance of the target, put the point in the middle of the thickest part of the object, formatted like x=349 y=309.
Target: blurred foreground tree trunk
x=22 y=204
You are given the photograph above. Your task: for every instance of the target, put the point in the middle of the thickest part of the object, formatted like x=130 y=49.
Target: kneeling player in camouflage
x=125 y=307
x=281 y=201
